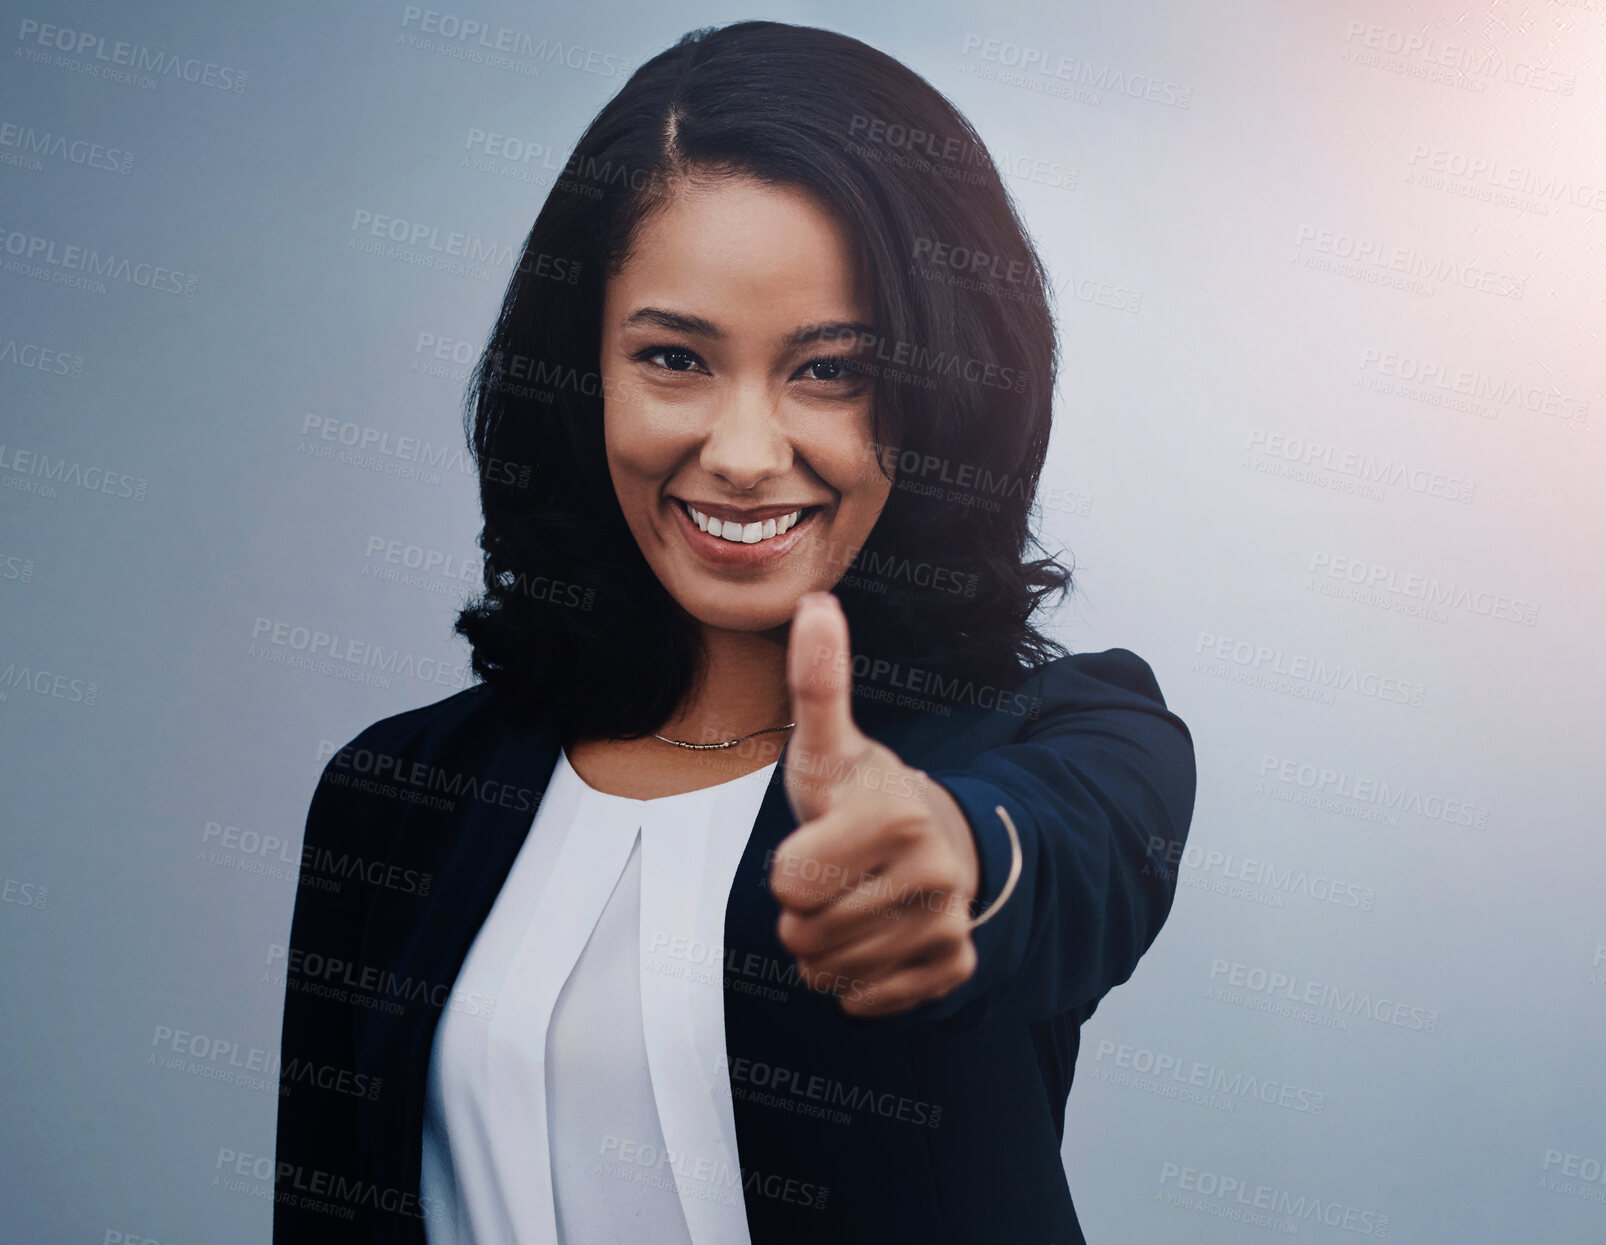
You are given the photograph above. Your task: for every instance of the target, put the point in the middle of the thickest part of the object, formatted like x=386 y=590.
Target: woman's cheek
x=643 y=437
x=846 y=460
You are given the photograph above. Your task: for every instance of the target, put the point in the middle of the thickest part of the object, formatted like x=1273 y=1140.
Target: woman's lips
x=734 y=553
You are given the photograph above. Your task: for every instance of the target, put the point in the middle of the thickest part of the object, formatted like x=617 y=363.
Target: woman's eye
x=825 y=369
x=675 y=359
x=832 y=367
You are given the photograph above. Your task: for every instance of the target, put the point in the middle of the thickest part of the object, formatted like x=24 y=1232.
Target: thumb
x=819 y=674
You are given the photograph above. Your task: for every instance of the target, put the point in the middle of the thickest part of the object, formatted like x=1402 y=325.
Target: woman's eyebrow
x=682 y=322
x=675 y=321
x=830 y=329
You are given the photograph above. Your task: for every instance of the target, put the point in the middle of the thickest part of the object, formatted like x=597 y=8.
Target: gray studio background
x=1328 y=455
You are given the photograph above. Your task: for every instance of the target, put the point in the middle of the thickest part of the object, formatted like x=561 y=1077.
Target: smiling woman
x=778 y=859
x=755 y=251
x=744 y=405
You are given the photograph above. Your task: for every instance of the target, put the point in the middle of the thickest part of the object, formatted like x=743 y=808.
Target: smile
x=743 y=533
x=731 y=543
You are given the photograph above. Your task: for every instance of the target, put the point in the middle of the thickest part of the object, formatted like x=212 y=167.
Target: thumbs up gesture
x=876 y=883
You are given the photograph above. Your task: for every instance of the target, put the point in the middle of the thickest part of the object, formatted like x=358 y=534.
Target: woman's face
x=723 y=340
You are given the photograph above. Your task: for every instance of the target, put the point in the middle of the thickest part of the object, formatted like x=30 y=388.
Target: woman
x=751 y=910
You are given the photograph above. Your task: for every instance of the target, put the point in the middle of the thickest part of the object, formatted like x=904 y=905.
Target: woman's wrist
x=1013 y=877
x=950 y=817
x=994 y=839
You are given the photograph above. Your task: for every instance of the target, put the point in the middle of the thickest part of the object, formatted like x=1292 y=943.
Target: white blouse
x=590 y=1106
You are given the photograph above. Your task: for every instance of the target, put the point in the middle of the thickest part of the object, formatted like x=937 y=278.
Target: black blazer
x=942 y=1125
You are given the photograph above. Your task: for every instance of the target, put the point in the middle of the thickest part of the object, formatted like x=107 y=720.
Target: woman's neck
x=743 y=689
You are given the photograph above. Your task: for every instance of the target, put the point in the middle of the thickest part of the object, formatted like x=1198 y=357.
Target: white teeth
x=743 y=533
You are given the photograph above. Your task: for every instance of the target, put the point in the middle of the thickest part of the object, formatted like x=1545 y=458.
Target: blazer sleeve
x=1101 y=790
x=316 y=1152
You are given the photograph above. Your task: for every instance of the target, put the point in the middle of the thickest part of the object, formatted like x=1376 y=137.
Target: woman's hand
x=876 y=882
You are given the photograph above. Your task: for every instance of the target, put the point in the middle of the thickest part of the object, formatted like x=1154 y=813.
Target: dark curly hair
x=572 y=617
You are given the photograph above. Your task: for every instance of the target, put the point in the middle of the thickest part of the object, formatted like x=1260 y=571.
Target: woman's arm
x=316 y=1148
x=1101 y=790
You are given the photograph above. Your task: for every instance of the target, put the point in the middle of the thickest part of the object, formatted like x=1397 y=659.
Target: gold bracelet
x=1014 y=870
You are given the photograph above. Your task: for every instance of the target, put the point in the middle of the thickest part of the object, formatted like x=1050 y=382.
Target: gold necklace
x=729 y=744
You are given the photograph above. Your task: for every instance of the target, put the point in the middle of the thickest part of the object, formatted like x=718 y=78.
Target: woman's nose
x=746 y=442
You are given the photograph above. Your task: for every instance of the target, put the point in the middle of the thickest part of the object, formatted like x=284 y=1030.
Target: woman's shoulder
x=1109 y=693
x=441 y=725
x=454 y=734
x=1112 y=697
x=1113 y=677
x=408 y=762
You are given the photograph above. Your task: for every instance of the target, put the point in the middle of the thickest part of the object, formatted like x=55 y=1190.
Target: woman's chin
x=717 y=607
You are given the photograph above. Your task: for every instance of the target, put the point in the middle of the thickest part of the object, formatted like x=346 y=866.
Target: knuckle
x=942 y=874
x=788 y=894
x=947 y=947
x=794 y=934
x=935 y=874
x=816 y=939
x=908 y=828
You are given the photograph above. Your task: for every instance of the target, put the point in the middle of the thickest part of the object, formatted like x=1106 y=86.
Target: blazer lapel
x=469 y=850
